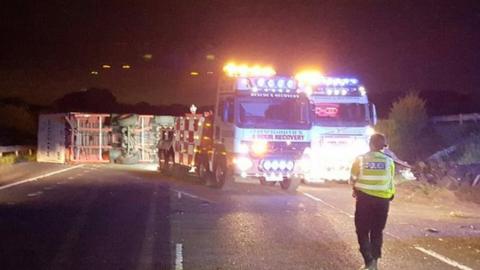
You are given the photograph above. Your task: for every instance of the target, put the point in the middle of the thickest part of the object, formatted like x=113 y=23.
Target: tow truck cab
x=261 y=129
x=343 y=119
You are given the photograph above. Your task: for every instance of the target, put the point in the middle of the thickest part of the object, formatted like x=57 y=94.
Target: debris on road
x=432 y=230
x=472 y=227
x=459 y=214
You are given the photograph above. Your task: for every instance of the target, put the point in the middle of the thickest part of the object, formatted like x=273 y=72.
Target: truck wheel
x=290 y=184
x=127 y=120
x=220 y=175
x=166 y=163
x=264 y=182
x=203 y=172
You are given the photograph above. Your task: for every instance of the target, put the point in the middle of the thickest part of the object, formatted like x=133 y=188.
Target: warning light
x=233 y=70
x=310 y=77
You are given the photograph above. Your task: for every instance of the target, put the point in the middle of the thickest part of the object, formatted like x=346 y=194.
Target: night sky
x=49 y=48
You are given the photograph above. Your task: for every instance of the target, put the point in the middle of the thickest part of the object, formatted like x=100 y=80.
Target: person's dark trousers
x=370 y=219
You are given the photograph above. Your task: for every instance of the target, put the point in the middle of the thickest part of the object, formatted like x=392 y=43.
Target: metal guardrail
x=460 y=118
x=17 y=149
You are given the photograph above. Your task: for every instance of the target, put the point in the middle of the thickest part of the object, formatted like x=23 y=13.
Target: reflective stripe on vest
x=376 y=175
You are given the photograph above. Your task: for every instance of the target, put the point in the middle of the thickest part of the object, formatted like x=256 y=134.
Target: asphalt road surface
x=130 y=217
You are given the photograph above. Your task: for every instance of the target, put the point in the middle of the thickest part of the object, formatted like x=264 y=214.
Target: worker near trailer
x=372 y=178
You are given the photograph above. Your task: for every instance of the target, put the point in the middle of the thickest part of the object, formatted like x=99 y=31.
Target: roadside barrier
x=11 y=154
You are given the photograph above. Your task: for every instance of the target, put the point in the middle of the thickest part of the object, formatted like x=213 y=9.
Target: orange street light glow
x=194 y=73
x=106 y=66
x=233 y=70
x=126 y=66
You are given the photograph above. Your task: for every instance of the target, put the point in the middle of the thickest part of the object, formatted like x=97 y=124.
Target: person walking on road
x=372 y=178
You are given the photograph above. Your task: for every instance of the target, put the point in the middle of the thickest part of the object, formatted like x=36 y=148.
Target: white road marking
x=179 y=256
x=38 y=177
x=443 y=258
x=426 y=251
x=327 y=204
x=33 y=194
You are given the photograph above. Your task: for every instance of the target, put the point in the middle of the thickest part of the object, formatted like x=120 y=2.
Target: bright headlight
x=259 y=147
x=291 y=84
x=243 y=163
x=243 y=148
x=305 y=164
x=290 y=165
x=271 y=83
x=267 y=165
x=369 y=131
x=261 y=82
x=275 y=164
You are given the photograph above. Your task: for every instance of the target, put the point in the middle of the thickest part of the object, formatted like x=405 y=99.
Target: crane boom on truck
x=258 y=131
x=342 y=122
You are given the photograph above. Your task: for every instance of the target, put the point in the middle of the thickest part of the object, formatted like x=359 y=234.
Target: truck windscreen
x=273 y=113
x=338 y=114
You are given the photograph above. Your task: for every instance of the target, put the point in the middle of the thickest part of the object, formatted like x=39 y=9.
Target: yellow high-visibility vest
x=373 y=174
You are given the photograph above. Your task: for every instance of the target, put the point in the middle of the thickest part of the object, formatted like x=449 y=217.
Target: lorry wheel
x=127 y=120
x=290 y=184
x=203 y=172
x=166 y=163
x=264 y=182
x=220 y=175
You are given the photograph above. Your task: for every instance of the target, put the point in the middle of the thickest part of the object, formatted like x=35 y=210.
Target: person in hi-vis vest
x=372 y=178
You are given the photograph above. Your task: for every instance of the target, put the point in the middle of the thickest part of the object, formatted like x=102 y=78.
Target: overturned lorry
x=101 y=138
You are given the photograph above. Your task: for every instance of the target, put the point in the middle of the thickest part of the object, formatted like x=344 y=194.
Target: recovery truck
x=342 y=122
x=258 y=132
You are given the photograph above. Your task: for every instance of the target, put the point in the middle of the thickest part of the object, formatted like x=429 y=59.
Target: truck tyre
x=166 y=163
x=127 y=120
x=221 y=175
x=202 y=172
x=290 y=184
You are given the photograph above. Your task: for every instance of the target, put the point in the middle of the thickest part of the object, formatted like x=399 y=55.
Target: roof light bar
x=234 y=70
x=275 y=84
x=315 y=78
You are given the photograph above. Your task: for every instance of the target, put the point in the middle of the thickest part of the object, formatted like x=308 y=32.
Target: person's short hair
x=378 y=141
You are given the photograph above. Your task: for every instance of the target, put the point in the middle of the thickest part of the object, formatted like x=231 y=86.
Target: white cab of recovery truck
x=342 y=122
